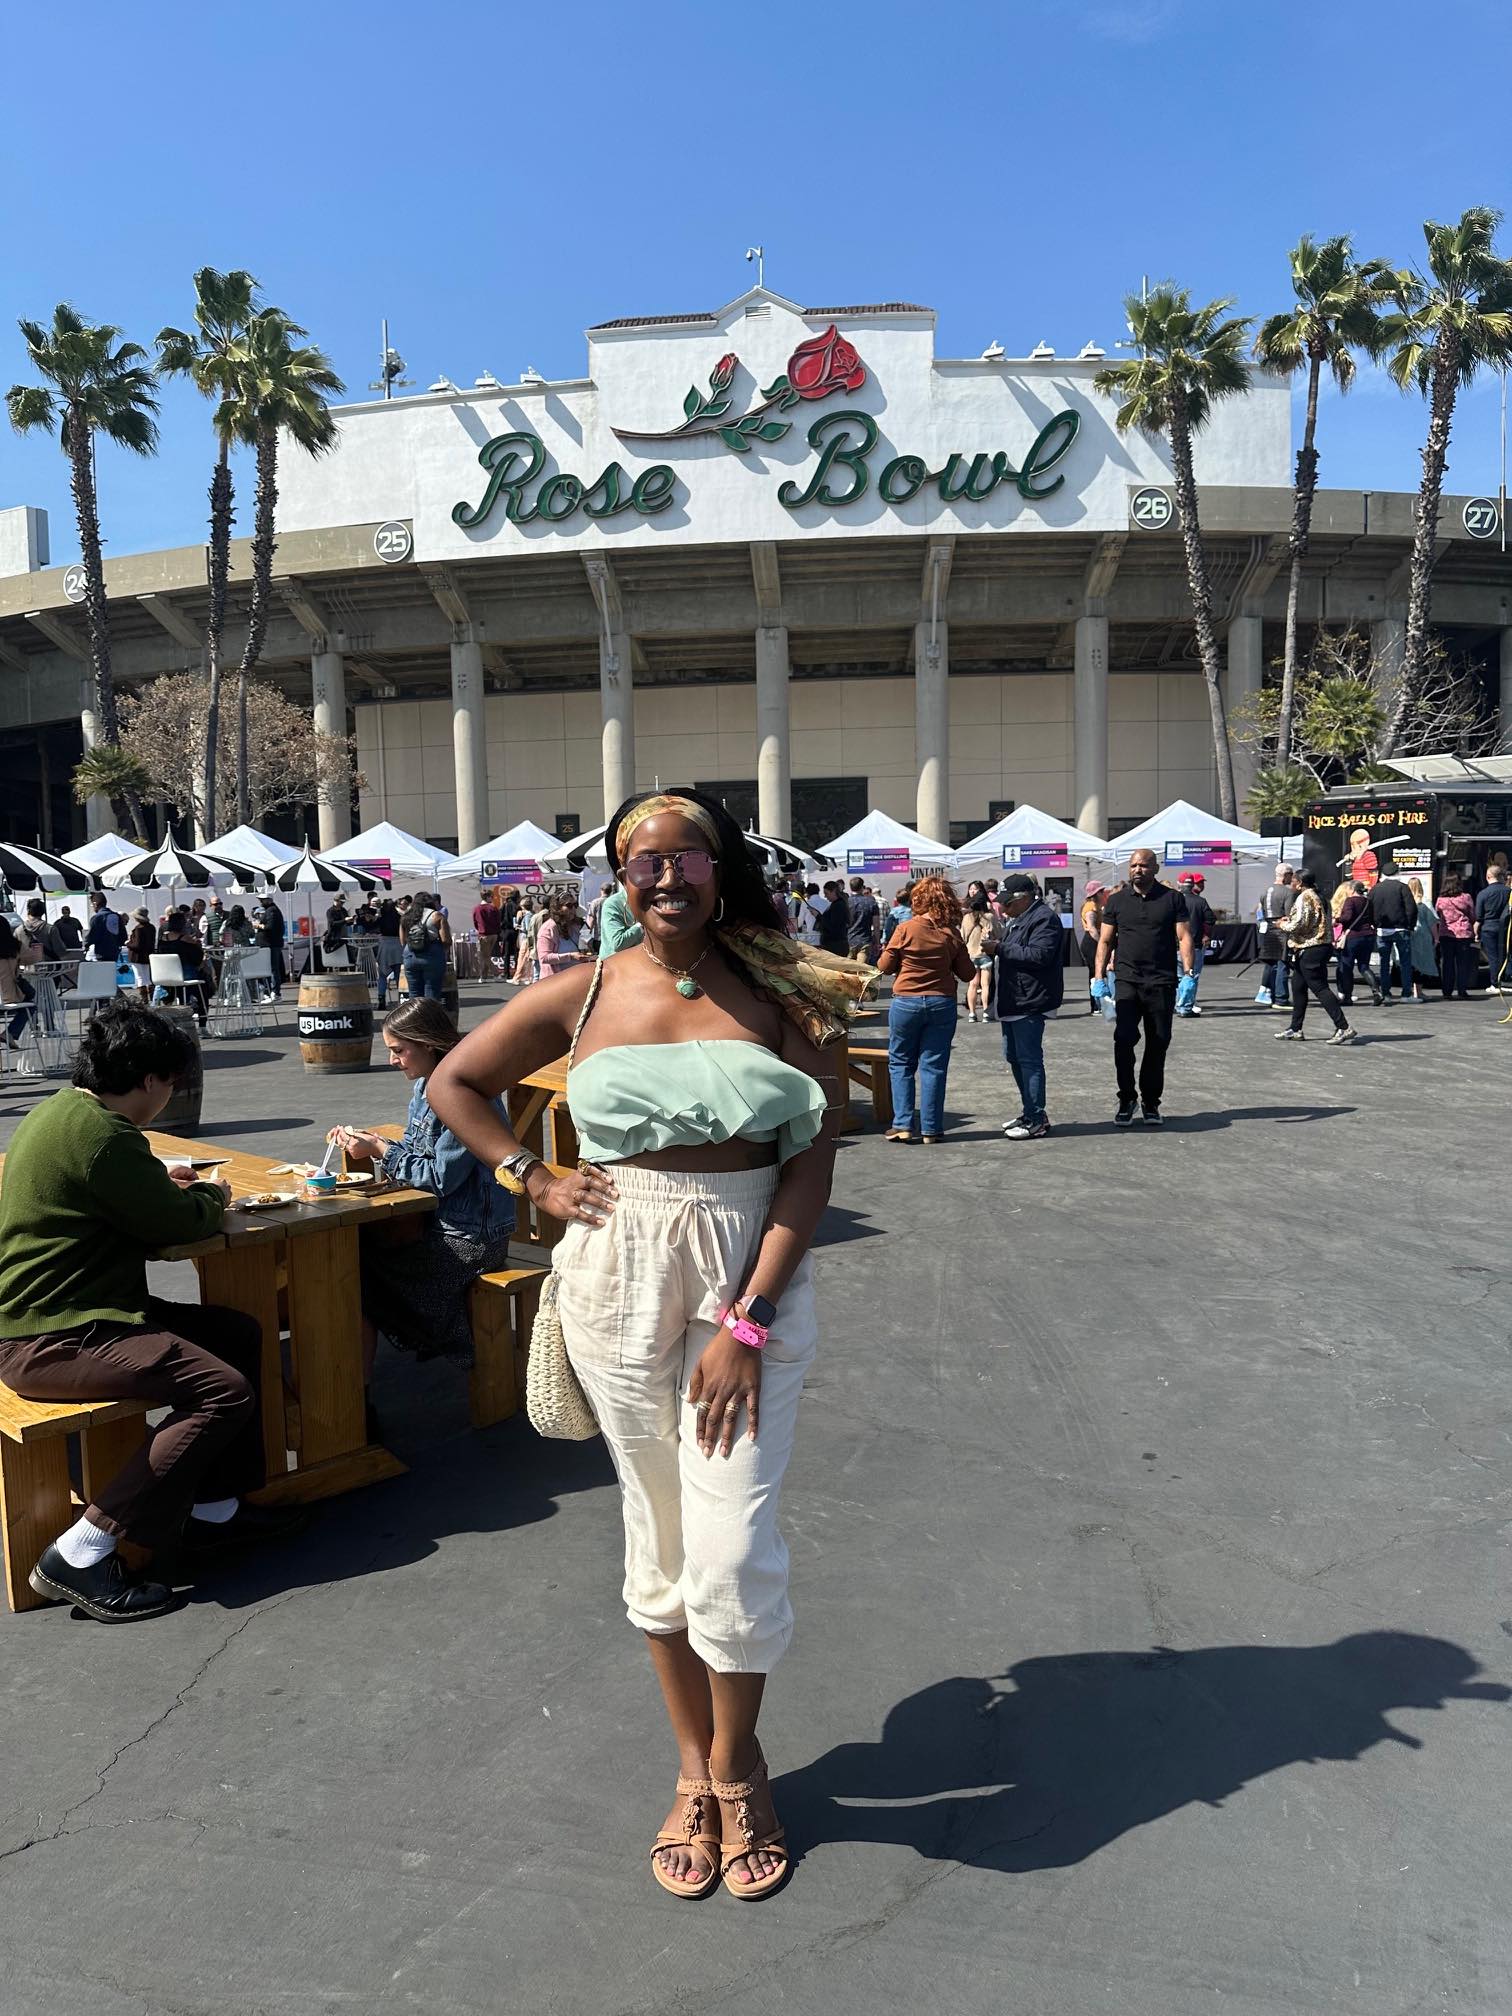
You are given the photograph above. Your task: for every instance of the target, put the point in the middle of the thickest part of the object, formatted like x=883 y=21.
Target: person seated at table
x=84 y=1205
x=141 y=943
x=178 y=935
x=416 y=1271
x=236 y=930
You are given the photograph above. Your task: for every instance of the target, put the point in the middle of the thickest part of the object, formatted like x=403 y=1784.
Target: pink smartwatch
x=751 y=1330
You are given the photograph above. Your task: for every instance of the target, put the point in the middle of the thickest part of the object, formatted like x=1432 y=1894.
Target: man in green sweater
x=83 y=1204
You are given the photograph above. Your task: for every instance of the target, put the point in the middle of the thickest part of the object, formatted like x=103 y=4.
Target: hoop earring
x=719 y=910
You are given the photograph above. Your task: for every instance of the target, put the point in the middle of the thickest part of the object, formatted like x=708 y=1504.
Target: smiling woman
x=707 y=1112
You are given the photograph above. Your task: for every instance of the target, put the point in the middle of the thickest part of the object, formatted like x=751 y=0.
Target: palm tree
x=1338 y=311
x=1453 y=320
x=212 y=356
x=1188 y=358
x=96 y=384
x=283 y=388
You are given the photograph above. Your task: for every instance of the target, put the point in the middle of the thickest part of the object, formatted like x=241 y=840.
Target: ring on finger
x=732 y=1406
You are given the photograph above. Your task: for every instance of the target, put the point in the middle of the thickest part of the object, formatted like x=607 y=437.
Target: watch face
x=761 y=1311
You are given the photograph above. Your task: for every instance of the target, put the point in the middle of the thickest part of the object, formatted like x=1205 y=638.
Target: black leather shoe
x=248 y=1526
x=105 y=1591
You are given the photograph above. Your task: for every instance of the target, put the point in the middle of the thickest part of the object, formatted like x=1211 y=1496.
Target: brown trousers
x=200 y=1361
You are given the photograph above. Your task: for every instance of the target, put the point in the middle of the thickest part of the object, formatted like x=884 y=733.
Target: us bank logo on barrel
x=335 y=1022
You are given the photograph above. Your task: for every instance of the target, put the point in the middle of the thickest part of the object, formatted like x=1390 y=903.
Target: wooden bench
x=867 y=1064
x=503 y=1308
x=36 y=1498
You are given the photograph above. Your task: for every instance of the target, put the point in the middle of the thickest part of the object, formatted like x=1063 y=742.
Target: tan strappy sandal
x=694 y=1831
x=741 y=1836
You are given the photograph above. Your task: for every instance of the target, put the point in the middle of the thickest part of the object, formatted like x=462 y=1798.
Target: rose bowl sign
x=843 y=443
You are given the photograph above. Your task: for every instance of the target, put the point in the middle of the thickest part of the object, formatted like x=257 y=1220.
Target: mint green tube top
x=637 y=1098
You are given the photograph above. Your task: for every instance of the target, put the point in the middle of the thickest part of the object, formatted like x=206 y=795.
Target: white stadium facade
x=784 y=553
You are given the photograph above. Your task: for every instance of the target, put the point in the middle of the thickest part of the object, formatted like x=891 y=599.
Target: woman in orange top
x=926 y=957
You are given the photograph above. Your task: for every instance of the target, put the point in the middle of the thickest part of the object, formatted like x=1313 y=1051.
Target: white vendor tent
x=411 y=860
x=878 y=833
x=104 y=852
x=1254 y=856
x=525 y=842
x=244 y=844
x=1027 y=826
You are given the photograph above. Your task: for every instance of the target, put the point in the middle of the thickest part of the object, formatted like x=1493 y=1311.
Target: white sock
x=83 y=1545
x=216 y=1511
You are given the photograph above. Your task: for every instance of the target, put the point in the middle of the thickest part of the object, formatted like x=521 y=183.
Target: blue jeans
x=920 y=1031
x=1354 y=957
x=1389 y=938
x=1024 y=1048
x=1273 y=979
x=425 y=973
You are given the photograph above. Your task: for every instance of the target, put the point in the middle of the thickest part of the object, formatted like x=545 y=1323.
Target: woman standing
x=427 y=944
x=1425 y=937
x=1091 y=925
x=559 y=942
x=707 y=1116
x=981 y=937
x=1456 y=913
x=415 y=1289
x=1355 y=936
x=926 y=958
x=1308 y=932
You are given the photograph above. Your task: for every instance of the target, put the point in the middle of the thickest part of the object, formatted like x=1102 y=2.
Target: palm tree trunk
x=1302 y=503
x=220 y=567
x=264 y=545
x=1425 y=535
x=1200 y=591
x=96 y=607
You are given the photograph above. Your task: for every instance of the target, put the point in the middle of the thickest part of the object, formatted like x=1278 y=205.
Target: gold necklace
x=687 y=986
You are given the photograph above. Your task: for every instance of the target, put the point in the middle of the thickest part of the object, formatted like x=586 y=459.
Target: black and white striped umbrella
x=313 y=871
x=30 y=868
x=172 y=866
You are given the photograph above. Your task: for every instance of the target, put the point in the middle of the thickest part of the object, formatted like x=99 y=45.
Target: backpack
x=418 y=938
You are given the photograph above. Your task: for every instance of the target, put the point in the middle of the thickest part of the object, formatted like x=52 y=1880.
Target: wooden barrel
x=182 y=1113
x=451 y=1000
x=335 y=1022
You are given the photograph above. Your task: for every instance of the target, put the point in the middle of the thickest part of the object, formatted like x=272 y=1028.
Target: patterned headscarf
x=815 y=990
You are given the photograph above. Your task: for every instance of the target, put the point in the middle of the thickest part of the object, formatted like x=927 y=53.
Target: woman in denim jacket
x=416 y=1271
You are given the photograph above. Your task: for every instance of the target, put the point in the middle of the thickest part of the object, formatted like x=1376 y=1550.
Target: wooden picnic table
x=301 y=1259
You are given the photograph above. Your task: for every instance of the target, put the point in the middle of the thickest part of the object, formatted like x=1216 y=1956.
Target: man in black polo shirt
x=1147 y=922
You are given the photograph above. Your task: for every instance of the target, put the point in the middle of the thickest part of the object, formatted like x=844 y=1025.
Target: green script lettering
x=902 y=478
x=830 y=438
x=1051 y=445
x=514 y=460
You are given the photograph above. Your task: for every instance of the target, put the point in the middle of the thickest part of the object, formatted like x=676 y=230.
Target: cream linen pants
x=639 y=1299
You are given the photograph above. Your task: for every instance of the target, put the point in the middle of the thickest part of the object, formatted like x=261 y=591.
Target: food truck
x=1449 y=815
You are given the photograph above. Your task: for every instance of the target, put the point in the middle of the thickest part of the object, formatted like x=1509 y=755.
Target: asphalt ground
x=1149 y=1523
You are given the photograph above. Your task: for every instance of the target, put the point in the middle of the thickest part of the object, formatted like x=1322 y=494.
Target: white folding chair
x=336 y=960
x=257 y=974
x=94 y=982
x=235 y=1009
x=168 y=973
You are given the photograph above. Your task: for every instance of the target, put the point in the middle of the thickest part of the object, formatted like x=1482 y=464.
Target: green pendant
x=689 y=989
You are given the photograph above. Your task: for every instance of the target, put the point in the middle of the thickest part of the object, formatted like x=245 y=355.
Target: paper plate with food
x=264 y=1200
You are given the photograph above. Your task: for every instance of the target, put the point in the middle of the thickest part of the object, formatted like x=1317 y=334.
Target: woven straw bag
x=554 y=1401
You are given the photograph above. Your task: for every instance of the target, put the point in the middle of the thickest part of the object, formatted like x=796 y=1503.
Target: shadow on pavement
x=1175 y=1123
x=1080 y=1750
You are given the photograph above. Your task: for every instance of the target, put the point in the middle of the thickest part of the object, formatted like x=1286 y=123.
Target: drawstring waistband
x=734 y=1189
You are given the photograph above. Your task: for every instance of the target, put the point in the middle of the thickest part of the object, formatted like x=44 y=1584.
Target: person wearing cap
x=1031 y=982
x=1091 y=925
x=1200 y=917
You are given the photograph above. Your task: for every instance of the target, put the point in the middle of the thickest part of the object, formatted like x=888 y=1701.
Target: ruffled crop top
x=637 y=1098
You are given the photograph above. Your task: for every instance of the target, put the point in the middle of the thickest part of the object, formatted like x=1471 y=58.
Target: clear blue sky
x=494 y=179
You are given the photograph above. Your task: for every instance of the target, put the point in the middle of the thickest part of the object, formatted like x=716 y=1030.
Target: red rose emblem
x=723 y=373
x=825 y=364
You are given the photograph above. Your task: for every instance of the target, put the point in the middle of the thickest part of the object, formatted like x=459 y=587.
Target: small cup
x=321 y=1185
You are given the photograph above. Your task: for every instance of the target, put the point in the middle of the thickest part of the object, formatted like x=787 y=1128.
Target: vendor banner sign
x=496 y=872
x=878 y=861
x=1199 y=854
x=1036 y=854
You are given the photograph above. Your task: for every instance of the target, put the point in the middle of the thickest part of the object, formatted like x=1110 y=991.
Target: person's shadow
x=1073 y=1752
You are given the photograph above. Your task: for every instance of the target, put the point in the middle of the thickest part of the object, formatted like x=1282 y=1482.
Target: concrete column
x=617 y=707
x=1388 y=643
x=932 y=728
x=1090 y=701
x=328 y=677
x=1506 y=681
x=98 y=817
x=1244 y=675
x=469 y=744
x=774 y=759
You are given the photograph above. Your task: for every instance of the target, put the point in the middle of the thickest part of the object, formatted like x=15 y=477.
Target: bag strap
x=593 y=988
